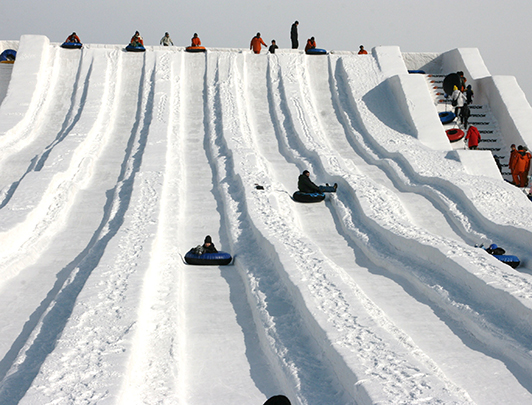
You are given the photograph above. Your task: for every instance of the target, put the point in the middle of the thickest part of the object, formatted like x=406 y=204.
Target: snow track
x=122 y=162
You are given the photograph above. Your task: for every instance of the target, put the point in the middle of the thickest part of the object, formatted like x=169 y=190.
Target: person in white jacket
x=458 y=99
x=166 y=40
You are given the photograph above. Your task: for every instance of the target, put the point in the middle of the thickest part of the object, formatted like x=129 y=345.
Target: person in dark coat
x=305 y=185
x=273 y=47
x=465 y=113
x=293 y=35
x=208 y=245
x=469 y=94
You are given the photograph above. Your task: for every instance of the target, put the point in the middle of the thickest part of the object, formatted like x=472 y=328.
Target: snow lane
x=72 y=279
x=154 y=363
x=214 y=367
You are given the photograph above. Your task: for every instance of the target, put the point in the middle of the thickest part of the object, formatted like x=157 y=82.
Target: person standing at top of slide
x=166 y=40
x=256 y=43
x=293 y=35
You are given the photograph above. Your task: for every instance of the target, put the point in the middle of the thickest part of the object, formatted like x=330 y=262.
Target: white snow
x=115 y=164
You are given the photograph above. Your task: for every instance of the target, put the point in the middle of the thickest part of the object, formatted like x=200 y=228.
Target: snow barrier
x=410 y=92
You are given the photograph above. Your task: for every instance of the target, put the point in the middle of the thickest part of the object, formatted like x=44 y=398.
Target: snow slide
x=116 y=164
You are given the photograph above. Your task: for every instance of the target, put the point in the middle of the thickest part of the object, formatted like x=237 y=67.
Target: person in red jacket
x=362 y=50
x=256 y=43
x=474 y=136
x=136 y=40
x=73 y=38
x=195 y=40
x=311 y=44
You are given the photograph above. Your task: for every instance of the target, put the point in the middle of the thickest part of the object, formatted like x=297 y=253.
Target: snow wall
x=413 y=98
x=32 y=53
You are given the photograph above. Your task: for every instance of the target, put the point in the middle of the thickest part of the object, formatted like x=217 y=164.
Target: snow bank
x=414 y=101
x=23 y=86
x=479 y=163
x=410 y=92
x=390 y=60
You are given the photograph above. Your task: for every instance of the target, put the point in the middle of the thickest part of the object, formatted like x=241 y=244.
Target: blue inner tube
x=316 y=51
x=71 y=45
x=9 y=55
x=208 y=259
x=131 y=48
x=308 y=197
x=510 y=260
x=446 y=117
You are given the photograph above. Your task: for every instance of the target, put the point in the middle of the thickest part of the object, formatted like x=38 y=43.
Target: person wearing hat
x=166 y=40
x=73 y=38
x=362 y=51
x=195 y=40
x=256 y=43
x=293 y=35
x=208 y=245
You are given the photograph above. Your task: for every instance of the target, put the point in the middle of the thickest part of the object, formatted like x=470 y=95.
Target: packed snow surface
x=115 y=164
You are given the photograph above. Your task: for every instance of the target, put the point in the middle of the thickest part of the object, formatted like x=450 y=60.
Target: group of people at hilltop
x=256 y=42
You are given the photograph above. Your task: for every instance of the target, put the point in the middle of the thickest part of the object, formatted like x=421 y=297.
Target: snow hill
x=114 y=164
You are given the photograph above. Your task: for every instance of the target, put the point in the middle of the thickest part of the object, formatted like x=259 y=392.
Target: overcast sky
x=499 y=29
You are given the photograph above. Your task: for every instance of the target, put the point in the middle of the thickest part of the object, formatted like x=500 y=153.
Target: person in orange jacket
x=311 y=44
x=195 y=40
x=474 y=136
x=256 y=43
x=136 y=40
x=362 y=51
x=521 y=167
x=73 y=38
x=528 y=158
